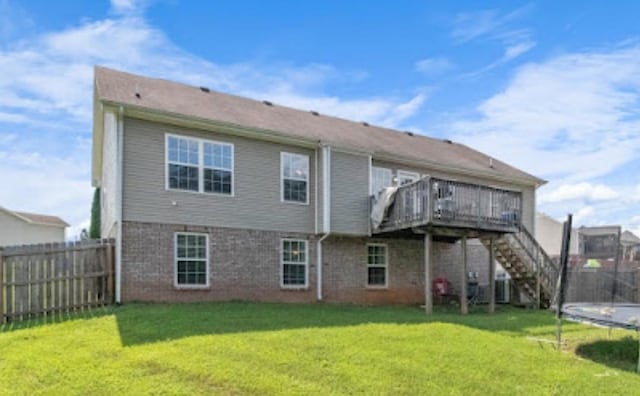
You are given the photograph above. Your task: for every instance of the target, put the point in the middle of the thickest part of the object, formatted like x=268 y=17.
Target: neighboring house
x=630 y=246
x=212 y=196
x=21 y=228
x=589 y=243
x=548 y=232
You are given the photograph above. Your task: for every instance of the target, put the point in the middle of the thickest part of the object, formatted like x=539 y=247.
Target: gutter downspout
x=119 y=182
x=326 y=214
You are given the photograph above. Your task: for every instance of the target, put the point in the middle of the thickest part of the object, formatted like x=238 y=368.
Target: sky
x=550 y=87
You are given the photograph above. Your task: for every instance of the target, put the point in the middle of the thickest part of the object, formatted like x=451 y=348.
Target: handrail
x=548 y=271
x=455 y=204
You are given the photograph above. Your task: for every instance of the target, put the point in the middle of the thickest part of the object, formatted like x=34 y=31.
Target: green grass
x=248 y=348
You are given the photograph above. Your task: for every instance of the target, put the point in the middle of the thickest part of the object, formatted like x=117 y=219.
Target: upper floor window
x=294 y=177
x=380 y=178
x=199 y=165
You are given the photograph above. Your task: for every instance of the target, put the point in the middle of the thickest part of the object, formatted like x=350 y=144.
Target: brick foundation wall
x=245 y=265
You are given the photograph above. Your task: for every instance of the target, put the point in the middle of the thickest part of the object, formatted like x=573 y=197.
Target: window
x=377 y=265
x=192 y=260
x=295 y=177
x=183 y=164
x=406 y=177
x=199 y=165
x=380 y=179
x=218 y=160
x=294 y=263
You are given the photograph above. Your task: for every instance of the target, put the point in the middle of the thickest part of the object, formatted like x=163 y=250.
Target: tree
x=94 y=228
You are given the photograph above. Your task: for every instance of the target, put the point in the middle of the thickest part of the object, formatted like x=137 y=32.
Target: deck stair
x=530 y=268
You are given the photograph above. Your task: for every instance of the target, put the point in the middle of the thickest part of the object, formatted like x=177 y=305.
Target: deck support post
x=492 y=277
x=428 y=275
x=464 y=302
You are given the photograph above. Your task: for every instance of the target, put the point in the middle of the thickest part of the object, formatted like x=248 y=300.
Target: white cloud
x=46 y=89
x=583 y=213
x=514 y=51
x=582 y=191
x=574 y=116
x=433 y=65
x=127 y=6
x=492 y=26
x=572 y=119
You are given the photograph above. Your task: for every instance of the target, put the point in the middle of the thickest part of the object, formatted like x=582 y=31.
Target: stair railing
x=545 y=269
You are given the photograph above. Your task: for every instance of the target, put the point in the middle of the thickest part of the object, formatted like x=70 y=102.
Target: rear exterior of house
x=215 y=197
x=22 y=228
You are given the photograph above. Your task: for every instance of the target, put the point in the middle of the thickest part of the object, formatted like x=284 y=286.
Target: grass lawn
x=250 y=348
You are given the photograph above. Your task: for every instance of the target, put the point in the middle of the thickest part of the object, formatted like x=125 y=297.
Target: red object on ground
x=441 y=287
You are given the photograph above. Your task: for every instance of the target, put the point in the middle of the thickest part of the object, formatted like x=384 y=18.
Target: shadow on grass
x=140 y=323
x=148 y=323
x=620 y=354
x=58 y=317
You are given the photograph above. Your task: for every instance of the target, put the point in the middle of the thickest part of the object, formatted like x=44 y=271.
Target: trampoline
x=606 y=294
x=620 y=315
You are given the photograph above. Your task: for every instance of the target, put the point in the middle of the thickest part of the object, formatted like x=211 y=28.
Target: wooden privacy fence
x=44 y=279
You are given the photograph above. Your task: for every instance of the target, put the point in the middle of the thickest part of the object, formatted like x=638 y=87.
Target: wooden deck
x=449 y=208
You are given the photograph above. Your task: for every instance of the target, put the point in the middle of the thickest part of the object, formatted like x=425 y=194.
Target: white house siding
x=109 y=170
x=549 y=235
x=14 y=231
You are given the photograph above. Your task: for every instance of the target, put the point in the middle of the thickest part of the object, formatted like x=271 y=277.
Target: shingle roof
x=174 y=98
x=38 y=218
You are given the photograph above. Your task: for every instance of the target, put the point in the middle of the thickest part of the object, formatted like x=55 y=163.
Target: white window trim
x=200 y=165
x=306 y=264
x=408 y=175
x=282 y=155
x=175 y=262
x=386 y=266
x=372 y=179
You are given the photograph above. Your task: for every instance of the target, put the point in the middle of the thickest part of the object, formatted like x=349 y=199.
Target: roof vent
x=448 y=141
x=409 y=133
x=205 y=89
x=315 y=113
x=267 y=103
x=365 y=123
x=490 y=162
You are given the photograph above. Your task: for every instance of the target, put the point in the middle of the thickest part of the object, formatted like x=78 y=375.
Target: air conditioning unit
x=502 y=291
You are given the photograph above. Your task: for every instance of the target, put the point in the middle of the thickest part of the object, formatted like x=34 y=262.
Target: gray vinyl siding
x=256 y=203
x=109 y=169
x=528 y=192
x=349 y=193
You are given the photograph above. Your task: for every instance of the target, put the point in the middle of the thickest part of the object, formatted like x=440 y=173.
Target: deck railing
x=440 y=202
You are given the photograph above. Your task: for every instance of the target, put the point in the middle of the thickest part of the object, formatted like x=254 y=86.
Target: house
x=548 y=232
x=589 y=246
x=630 y=246
x=22 y=228
x=212 y=196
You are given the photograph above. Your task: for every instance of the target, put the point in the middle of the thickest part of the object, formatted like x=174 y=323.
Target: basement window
x=377 y=265
x=192 y=260
x=294 y=263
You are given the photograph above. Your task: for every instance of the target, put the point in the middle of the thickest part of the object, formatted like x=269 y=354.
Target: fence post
x=1 y=288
